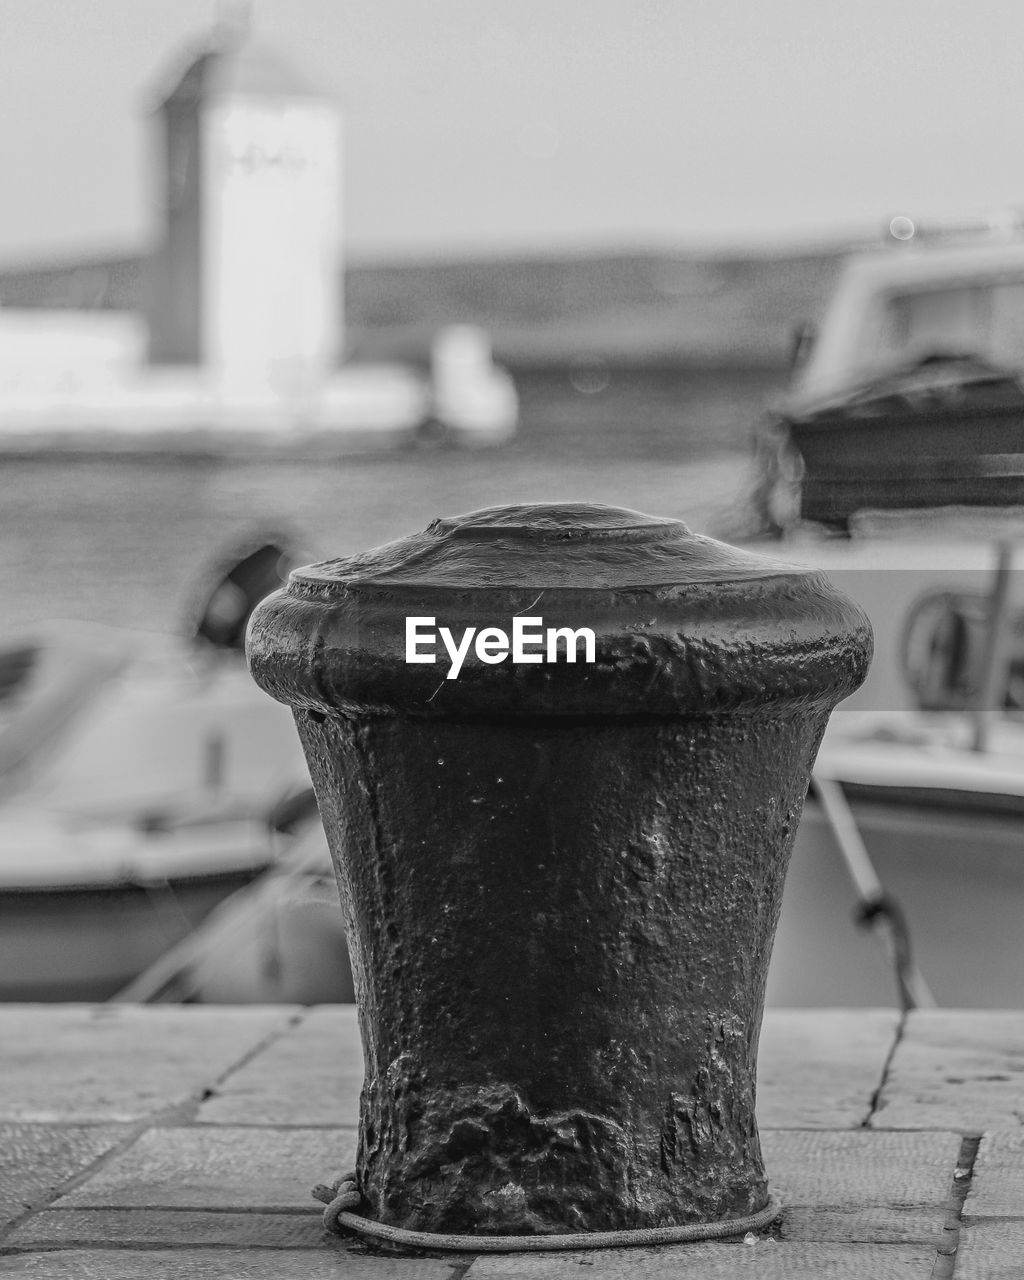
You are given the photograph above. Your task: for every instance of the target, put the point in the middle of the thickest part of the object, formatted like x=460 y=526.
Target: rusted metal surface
x=561 y=881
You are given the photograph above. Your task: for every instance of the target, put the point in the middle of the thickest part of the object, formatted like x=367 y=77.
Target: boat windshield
x=977 y=318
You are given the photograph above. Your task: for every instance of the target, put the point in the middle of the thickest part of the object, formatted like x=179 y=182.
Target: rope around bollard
x=342 y=1196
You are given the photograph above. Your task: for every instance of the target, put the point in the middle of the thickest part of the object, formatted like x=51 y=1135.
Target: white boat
x=138 y=776
x=928 y=759
x=943 y=827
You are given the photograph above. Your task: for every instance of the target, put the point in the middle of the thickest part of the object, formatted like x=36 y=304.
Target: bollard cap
x=682 y=624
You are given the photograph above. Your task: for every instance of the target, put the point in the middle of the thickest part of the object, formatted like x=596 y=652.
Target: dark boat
x=944 y=431
x=909 y=395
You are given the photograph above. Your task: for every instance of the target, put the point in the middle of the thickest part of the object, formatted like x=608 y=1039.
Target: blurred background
x=284 y=281
x=638 y=203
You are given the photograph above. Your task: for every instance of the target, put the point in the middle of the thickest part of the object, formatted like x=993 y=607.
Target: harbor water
x=111 y=537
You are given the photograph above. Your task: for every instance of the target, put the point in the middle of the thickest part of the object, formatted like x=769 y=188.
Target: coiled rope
x=342 y=1196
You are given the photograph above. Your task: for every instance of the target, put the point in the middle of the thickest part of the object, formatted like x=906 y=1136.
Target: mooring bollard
x=561 y=753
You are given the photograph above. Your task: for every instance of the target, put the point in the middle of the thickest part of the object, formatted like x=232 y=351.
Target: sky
x=482 y=127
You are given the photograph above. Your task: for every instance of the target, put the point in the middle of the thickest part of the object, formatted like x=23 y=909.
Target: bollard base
x=620 y=1095
x=339 y=1218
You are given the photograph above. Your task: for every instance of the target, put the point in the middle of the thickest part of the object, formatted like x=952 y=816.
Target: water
x=128 y=539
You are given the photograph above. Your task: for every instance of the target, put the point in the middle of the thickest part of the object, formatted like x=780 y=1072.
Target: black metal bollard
x=561 y=879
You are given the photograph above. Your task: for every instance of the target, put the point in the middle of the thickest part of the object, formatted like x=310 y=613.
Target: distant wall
x=736 y=311
x=86 y=285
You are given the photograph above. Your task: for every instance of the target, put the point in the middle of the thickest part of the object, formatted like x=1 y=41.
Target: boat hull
x=957 y=869
x=899 y=460
x=87 y=942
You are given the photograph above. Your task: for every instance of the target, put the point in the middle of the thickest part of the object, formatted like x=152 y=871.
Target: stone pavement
x=182 y=1142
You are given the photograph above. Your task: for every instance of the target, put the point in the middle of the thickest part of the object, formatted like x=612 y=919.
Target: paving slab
x=184 y=1142
x=37 y=1159
x=80 y=1063
x=997 y=1187
x=765 y=1260
x=961 y=1069
x=219 y=1168
x=860 y=1168
x=311 y=1076
x=871 y=1224
x=819 y=1068
x=991 y=1251
x=332 y=1263
x=123 y=1228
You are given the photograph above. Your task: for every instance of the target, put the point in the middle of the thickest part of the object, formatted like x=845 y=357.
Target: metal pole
x=998 y=647
x=878 y=908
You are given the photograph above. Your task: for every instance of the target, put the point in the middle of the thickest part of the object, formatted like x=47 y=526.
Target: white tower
x=248 y=281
